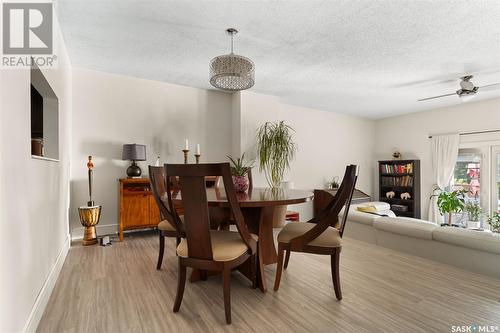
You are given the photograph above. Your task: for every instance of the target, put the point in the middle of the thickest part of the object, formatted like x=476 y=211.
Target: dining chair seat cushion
x=226 y=245
x=329 y=238
x=166 y=226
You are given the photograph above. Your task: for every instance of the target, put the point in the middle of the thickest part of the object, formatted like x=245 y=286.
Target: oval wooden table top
x=257 y=197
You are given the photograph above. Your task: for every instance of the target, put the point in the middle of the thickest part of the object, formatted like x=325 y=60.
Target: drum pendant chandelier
x=232 y=72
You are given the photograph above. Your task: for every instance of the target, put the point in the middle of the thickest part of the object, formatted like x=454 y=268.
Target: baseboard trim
x=44 y=295
x=105 y=229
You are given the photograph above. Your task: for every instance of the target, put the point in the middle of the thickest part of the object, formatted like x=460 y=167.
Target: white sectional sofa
x=477 y=251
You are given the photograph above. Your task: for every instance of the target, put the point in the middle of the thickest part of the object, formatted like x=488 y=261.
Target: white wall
x=34 y=206
x=327 y=142
x=409 y=134
x=111 y=110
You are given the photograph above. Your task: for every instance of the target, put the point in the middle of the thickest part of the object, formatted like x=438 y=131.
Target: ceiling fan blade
x=489 y=85
x=425 y=99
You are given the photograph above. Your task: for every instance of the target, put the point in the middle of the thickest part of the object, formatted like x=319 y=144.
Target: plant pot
x=240 y=183
x=279 y=215
x=473 y=224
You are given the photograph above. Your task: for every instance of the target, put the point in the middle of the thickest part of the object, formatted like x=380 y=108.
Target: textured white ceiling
x=368 y=58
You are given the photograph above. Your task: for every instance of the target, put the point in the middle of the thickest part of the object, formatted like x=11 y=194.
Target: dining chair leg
x=161 y=251
x=227 y=293
x=177 y=241
x=335 y=261
x=279 y=267
x=287 y=257
x=261 y=273
x=181 y=283
x=253 y=262
x=203 y=275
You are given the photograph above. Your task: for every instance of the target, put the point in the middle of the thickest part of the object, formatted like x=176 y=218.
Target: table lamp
x=134 y=152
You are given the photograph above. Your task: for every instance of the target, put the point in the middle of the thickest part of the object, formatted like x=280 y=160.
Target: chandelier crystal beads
x=232 y=72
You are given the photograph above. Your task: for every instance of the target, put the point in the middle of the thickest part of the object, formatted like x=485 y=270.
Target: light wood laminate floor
x=118 y=289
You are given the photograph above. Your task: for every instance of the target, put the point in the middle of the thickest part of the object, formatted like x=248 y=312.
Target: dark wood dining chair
x=168 y=226
x=205 y=249
x=322 y=234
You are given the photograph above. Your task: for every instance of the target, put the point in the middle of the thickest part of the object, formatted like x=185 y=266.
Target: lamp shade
x=134 y=152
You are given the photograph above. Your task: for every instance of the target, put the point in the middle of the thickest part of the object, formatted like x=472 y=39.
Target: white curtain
x=444 y=158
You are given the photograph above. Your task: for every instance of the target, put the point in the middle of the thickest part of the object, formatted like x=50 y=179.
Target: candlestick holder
x=197 y=156
x=185 y=151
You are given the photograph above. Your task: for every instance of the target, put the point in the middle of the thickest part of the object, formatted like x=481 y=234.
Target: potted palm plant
x=239 y=171
x=451 y=202
x=275 y=149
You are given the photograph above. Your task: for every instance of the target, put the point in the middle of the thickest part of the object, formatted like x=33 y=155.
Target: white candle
x=186 y=144
x=198 y=149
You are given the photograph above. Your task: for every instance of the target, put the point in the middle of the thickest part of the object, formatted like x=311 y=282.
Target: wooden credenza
x=323 y=197
x=137 y=206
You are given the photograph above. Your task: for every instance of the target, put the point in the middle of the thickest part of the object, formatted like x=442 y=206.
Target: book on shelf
x=405 y=181
x=396 y=168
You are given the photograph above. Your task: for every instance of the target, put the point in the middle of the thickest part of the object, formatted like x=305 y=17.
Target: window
x=44 y=117
x=495 y=188
x=477 y=171
x=467 y=174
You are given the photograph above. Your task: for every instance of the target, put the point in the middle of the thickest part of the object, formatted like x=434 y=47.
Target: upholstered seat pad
x=226 y=245
x=166 y=226
x=329 y=238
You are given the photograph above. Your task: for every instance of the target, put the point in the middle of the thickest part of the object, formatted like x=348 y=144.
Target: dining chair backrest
x=352 y=172
x=196 y=213
x=158 y=182
x=328 y=217
x=327 y=213
x=250 y=179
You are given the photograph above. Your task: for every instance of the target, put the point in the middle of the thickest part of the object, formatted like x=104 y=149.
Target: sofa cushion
x=372 y=207
x=406 y=226
x=362 y=217
x=479 y=240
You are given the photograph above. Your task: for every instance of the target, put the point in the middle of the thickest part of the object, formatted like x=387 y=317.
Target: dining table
x=257 y=205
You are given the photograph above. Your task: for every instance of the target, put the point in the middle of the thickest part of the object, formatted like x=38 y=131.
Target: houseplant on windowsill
x=451 y=202
x=473 y=210
x=276 y=149
x=239 y=171
x=494 y=222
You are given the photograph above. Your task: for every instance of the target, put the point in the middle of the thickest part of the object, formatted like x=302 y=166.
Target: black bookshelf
x=400 y=176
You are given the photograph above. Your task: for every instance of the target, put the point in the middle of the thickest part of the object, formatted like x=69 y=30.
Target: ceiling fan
x=467 y=89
